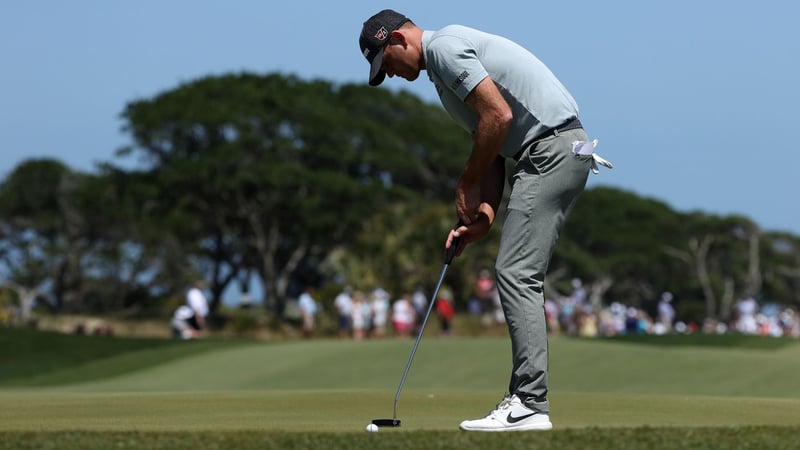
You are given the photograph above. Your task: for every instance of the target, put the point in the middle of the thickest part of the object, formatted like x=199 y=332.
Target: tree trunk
x=597 y=290
x=754 y=279
x=726 y=304
x=27 y=297
x=699 y=251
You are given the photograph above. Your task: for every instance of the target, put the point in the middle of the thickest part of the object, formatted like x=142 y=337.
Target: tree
x=781 y=267
x=272 y=172
x=614 y=236
x=43 y=230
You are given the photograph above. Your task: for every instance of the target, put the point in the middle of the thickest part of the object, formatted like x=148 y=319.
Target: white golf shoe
x=509 y=415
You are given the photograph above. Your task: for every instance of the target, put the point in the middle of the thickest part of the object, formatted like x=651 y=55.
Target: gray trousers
x=545 y=184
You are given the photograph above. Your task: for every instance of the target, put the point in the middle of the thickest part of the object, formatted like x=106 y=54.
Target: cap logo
x=381 y=33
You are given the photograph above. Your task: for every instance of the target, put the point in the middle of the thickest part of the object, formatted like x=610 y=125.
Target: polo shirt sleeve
x=455 y=61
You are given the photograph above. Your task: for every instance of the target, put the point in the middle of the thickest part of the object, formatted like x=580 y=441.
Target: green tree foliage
x=642 y=247
x=271 y=172
x=606 y=236
x=80 y=241
x=43 y=230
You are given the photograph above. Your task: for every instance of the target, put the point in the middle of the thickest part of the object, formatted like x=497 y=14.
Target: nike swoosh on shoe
x=512 y=419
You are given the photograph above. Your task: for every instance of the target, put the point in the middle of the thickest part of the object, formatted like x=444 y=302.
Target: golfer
x=513 y=107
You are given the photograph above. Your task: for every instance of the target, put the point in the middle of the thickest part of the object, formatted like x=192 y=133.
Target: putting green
x=348 y=411
x=589 y=366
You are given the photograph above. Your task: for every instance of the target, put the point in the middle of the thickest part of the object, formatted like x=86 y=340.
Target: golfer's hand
x=468 y=233
x=468 y=200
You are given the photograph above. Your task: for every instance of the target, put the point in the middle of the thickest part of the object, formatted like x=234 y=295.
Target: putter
x=394 y=421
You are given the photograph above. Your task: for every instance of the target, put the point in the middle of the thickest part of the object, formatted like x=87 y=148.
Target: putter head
x=386 y=422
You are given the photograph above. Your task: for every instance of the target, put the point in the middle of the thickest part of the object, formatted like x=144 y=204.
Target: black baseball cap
x=374 y=35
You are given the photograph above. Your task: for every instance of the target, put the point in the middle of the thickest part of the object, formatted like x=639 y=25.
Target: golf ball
x=372 y=428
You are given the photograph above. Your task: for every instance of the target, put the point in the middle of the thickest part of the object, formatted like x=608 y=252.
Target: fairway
x=337 y=387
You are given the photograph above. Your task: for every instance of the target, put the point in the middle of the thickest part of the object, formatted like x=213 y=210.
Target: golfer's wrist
x=487 y=210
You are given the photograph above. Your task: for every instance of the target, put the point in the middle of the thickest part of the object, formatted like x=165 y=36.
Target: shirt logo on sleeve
x=464 y=75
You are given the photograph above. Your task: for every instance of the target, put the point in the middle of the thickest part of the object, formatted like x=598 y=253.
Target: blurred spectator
x=344 y=309
x=746 y=310
x=420 y=304
x=631 y=321
x=474 y=306
x=360 y=315
x=587 y=324
x=551 y=316
x=403 y=316
x=380 y=314
x=578 y=293
x=445 y=310
x=189 y=320
x=308 y=310
x=499 y=314
x=606 y=326
x=666 y=313
x=567 y=311
x=789 y=322
x=486 y=291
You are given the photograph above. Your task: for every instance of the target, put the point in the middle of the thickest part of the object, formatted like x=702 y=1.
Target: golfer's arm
x=494 y=120
x=492 y=186
x=484 y=165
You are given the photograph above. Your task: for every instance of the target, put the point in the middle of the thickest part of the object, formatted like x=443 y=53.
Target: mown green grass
x=687 y=438
x=31 y=357
x=350 y=411
x=466 y=363
x=606 y=394
x=740 y=341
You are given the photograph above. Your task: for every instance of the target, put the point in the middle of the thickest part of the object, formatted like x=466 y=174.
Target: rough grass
x=687 y=438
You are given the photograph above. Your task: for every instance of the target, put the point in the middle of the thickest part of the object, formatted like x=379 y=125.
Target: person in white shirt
x=189 y=320
x=403 y=316
x=746 y=321
x=344 y=308
x=360 y=315
x=308 y=308
x=666 y=313
x=380 y=315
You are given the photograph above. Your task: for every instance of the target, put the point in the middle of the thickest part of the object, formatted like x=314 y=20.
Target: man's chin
x=410 y=77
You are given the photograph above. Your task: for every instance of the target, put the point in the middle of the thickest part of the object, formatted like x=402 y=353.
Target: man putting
x=513 y=107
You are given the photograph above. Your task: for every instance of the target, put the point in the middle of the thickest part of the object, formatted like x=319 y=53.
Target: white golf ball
x=372 y=428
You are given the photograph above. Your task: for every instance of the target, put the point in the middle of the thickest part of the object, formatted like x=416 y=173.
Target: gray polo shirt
x=457 y=58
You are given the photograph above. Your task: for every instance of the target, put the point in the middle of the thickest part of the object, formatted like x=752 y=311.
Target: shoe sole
x=531 y=427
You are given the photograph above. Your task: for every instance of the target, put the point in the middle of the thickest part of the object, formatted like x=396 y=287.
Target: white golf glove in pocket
x=587 y=148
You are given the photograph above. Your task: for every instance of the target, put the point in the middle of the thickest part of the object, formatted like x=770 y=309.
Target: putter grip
x=451 y=252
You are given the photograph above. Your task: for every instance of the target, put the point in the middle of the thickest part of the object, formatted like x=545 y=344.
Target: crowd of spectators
x=574 y=315
x=369 y=315
x=364 y=315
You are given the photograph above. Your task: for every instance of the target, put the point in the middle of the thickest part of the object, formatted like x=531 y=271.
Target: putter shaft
x=419 y=335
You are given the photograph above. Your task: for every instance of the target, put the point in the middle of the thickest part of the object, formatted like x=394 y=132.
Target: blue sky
x=693 y=101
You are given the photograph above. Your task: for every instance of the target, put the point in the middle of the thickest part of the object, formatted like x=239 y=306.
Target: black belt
x=570 y=124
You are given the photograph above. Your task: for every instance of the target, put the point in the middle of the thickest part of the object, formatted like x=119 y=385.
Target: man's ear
x=397 y=37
